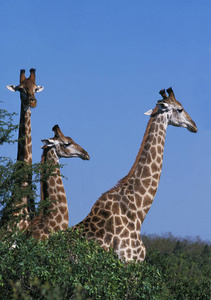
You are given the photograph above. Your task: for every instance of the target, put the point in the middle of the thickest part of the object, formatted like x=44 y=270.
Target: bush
x=186 y=268
x=69 y=267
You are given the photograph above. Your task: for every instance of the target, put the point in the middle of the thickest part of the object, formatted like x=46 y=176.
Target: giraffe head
x=176 y=114
x=64 y=145
x=27 y=88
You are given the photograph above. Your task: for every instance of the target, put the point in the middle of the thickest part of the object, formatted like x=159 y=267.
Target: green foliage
x=6 y=126
x=67 y=266
x=70 y=267
x=186 y=265
x=12 y=176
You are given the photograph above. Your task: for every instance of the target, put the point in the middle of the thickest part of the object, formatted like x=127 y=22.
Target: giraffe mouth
x=85 y=156
x=192 y=127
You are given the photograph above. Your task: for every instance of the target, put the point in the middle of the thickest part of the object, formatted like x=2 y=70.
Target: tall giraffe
x=27 y=89
x=52 y=188
x=115 y=219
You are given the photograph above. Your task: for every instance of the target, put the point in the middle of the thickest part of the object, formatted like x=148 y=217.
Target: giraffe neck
x=25 y=155
x=138 y=188
x=25 y=141
x=52 y=189
x=143 y=179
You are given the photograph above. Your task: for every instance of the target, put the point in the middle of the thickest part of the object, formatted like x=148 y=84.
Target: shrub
x=69 y=266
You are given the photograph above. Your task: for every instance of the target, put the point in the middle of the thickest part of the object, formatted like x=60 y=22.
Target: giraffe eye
x=67 y=145
x=180 y=110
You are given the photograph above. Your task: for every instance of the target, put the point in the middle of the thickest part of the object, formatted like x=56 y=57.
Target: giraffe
x=115 y=219
x=52 y=188
x=27 y=89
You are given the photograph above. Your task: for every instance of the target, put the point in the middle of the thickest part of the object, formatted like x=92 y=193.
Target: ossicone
x=32 y=74
x=163 y=93
x=170 y=92
x=22 y=75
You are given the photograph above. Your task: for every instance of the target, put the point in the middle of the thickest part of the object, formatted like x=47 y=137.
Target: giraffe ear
x=47 y=143
x=12 y=88
x=149 y=112
x=162 y=105
x=39 y=89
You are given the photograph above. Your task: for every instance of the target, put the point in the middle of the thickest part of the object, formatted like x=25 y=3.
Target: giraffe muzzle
x=85 y=156
x=192 y=126
x=32 y=102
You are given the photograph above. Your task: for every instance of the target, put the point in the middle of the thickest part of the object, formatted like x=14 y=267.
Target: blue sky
x=102 y=64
